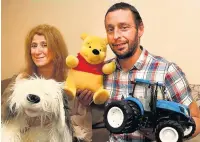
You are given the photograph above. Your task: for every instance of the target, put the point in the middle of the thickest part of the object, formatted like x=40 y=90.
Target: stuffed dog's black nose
x=95 y=51
x=33 y=98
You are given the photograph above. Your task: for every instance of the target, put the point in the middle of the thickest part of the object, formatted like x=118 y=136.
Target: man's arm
x=195 y=113
x=179 y=91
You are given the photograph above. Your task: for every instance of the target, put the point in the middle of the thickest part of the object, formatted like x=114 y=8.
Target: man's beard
x=131 y=51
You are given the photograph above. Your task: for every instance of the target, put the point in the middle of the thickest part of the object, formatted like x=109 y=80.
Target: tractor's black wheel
x=189 y=131
x=169 y=131
x=121 y=117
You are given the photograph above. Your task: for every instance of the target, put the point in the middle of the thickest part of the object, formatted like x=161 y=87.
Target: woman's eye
x=44 y=45
x=33 y=45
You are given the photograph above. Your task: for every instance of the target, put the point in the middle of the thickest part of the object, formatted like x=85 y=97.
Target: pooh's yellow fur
x=93 y=52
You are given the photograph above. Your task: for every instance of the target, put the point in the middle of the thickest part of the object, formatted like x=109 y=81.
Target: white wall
x=172 y=28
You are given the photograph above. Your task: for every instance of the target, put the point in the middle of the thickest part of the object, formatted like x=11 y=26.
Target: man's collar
x=139 y=63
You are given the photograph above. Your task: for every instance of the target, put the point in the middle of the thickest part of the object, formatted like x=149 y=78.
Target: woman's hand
x=85 y=96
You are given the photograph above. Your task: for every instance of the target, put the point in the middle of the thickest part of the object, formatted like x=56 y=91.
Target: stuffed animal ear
x=64 y=119
x=8 y=111
x=64 y=115
x=83 y=36
x=11 y=112
x=66 y=110
x=61 y=113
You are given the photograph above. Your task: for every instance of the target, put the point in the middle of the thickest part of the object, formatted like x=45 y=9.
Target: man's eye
x=124 y=28
x=110 y=30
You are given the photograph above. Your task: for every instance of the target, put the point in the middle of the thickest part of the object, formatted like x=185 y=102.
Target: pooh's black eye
x=89 y=46
x=100 y=50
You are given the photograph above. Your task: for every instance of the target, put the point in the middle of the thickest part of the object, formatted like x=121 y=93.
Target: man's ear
x=140 y=29
x=106 y=41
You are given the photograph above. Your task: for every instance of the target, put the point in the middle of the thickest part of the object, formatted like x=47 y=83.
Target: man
x=124 y=28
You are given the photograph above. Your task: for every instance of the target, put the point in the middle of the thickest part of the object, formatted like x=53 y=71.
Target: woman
x=45 y=53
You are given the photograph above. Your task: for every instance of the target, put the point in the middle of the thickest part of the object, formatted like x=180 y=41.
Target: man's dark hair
x=126 y=6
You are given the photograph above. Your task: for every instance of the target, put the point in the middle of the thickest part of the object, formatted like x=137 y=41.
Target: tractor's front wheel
x=121 y=117
x=169 y=131
x=189 y=131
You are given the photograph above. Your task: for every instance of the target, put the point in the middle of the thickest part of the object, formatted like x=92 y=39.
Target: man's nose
x=117 y=34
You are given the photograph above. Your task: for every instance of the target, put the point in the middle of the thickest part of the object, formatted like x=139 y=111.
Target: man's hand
x=194 y=110
x=85 y=96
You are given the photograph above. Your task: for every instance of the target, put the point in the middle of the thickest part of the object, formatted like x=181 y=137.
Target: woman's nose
x=38 y=49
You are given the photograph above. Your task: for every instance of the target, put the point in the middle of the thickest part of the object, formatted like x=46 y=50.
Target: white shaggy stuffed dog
x=37 y=111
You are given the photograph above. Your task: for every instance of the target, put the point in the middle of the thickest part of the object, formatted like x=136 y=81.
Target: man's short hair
x=126 y=6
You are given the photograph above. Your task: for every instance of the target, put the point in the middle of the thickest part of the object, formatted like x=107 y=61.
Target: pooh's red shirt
x=84 y=66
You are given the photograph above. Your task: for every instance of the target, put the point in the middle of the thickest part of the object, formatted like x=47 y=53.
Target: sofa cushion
x=195 y=91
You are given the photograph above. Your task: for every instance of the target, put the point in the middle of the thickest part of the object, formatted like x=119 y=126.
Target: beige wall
x=172 y=28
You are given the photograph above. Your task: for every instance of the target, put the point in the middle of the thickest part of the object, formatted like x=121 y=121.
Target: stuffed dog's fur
x=36 y=111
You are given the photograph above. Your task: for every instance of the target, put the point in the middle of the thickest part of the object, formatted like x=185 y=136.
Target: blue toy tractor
x=169 y=121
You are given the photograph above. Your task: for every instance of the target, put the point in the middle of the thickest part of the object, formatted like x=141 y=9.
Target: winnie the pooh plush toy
x=87 y=69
